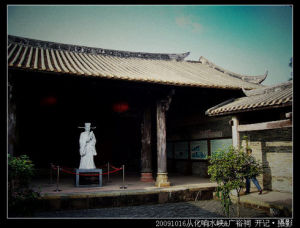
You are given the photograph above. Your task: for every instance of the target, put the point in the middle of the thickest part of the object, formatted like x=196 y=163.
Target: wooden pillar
x=161 y=107
x=12 y=138
x=146 y=157
x=235 y=132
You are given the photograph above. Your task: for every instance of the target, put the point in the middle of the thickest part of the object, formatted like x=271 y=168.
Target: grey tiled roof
x=279 y=95
x=255 y=79
x=171 y=69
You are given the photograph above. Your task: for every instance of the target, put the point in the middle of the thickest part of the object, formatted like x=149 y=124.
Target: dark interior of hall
x=51 y=107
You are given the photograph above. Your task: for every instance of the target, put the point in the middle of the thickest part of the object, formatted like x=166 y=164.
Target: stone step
x=123 y=198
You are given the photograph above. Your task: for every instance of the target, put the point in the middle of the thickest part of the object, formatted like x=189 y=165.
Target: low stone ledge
x=126 y=198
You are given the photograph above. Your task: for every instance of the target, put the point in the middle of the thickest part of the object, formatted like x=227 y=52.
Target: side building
x=264 y=116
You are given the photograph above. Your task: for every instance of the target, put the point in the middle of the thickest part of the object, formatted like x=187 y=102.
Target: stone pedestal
x=146 y=177
x=98 y=171
x=162 y=180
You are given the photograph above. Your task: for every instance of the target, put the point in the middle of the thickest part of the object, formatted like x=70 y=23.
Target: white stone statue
x=87 y=149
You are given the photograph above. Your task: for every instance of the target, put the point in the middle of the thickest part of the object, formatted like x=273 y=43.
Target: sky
x=245 y=39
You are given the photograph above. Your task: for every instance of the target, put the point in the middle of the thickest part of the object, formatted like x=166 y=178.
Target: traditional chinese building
x=148 y=108
x=264 y=115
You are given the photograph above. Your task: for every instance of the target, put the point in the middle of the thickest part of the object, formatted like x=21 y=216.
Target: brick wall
x=274 y=149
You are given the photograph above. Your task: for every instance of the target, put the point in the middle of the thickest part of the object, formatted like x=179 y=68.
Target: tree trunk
x=238 y=204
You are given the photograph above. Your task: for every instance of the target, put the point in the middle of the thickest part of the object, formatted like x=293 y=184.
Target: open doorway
x=50 y=108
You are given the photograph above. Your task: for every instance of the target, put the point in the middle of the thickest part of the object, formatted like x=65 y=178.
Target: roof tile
x=271 y=96
x=168 y=69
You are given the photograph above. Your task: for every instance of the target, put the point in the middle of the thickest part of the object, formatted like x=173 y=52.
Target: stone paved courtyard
x=191 y=209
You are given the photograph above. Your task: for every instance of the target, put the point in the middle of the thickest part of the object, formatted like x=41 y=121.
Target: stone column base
x=162 y=180
x=146 y=177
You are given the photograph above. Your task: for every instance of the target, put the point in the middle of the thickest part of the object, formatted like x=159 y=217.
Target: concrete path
x=277 y=203
x=191 y=209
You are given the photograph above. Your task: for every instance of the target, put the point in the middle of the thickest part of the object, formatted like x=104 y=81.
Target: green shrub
x=21 y=199
x=229 y=167
x=20 y=170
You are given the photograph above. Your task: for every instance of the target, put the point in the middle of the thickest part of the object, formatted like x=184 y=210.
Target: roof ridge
x=95 y=50
x=268 y=89
x=258 y=79
x=275 y=96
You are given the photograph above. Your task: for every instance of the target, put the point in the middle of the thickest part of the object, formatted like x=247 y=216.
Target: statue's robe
x=87 y=143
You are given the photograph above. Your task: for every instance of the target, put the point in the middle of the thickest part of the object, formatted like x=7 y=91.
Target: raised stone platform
x=124 y=198
x=183 y=188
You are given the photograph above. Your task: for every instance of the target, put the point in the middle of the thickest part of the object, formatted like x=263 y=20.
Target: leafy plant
x=20 y=170
x=229 y=167
x=21 y=199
